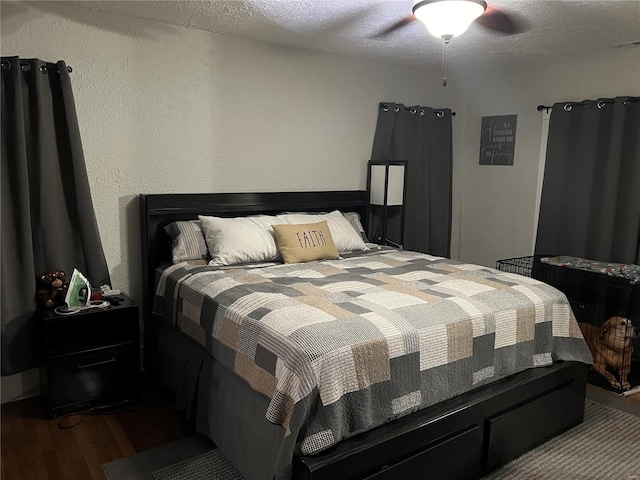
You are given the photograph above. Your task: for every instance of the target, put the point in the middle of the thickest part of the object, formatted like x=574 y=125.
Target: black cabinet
x=92 y=357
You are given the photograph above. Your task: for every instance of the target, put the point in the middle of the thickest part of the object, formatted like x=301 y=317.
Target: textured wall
x=166 y=109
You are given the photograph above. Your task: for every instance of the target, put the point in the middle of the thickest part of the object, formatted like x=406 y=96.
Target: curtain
x=48 y=221
x=590 y=205
x=422 y=136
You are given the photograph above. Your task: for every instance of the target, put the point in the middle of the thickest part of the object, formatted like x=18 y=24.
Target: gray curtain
x=423 y=137
x=48 y=221
x=590 y=205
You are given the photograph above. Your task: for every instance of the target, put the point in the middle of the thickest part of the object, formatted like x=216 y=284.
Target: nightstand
x=92 y=357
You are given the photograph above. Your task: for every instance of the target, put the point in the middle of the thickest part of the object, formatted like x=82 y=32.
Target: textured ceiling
x=555 y=29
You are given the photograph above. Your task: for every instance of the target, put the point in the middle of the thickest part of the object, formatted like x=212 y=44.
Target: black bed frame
x=465 y=437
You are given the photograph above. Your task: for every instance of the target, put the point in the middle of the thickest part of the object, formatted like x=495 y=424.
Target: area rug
x=143 y=465
x=605 y=446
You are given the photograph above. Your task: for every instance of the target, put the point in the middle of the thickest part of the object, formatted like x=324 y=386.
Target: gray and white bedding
x=367 y=338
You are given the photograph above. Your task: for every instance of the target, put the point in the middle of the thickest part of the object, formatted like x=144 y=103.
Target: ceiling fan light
x=448 y=18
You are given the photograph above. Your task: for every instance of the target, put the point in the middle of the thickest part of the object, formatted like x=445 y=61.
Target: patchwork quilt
x=370 y=337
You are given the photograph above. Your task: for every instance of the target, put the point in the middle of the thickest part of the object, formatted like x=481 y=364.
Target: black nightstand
x=92 y=357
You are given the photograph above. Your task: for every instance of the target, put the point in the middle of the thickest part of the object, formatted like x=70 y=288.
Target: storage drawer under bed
x=521 y=429
x=465 y=448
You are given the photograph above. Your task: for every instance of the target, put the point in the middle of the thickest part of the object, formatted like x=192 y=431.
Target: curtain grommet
x=600 y=104
x=412 y=111
x=6 y=65
x=396 y=109
x=25 y=67
x=43 y=68
x=385 y=108
x=422 y=113
x=69 y=69
x=439 y=114
x=567 y=107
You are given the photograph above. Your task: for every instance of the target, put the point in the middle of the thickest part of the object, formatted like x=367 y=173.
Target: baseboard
x=21 y=385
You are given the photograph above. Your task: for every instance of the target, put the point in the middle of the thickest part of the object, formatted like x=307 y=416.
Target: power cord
x=110 y=409
x=81 y=416
x=66 y=310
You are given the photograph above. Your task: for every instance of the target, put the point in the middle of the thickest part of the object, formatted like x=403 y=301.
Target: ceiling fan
x=450 y=18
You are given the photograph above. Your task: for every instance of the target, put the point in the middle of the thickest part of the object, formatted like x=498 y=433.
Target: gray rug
x=606 y=446
x=143 y=465
x=211 y=465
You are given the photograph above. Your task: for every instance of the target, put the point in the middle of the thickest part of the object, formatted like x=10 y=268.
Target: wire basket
x=520 y=265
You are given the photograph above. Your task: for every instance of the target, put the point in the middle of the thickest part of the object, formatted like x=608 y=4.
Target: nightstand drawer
x=93 y=328
x=85 y=377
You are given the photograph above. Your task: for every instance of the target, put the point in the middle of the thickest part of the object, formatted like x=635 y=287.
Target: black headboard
x=158 y=210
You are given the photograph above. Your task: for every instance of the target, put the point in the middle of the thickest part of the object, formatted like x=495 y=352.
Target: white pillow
x=344 y=235
x=240 y=239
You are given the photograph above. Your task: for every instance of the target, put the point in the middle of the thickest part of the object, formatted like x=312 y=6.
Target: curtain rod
x=439 y=113
x=26 y=66
x=599 y=103
x=414 y=110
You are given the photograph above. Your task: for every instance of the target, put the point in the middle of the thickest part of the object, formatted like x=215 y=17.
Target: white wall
x=166 y=109
x=497 y=203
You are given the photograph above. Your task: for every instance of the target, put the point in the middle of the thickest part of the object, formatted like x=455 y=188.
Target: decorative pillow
x=346 y=238
x=240 y=239
x=305 y=242
x=354 y=220
x=188 y=241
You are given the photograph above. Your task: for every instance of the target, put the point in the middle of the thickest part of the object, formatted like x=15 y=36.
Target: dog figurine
x=611 y=346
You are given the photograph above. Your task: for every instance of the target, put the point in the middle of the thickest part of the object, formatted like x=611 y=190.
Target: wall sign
x=498 y=140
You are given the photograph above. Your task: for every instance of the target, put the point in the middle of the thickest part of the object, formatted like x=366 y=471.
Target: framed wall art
x=498 y=140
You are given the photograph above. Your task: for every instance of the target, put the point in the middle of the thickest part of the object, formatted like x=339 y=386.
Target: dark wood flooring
x=35 y=448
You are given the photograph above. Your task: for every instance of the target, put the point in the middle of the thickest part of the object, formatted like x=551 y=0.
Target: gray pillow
x=187 y=240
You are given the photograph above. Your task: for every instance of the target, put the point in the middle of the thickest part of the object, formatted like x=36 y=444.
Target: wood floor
x=34 y=448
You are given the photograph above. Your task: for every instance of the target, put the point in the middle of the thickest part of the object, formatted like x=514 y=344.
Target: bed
x=407 y=394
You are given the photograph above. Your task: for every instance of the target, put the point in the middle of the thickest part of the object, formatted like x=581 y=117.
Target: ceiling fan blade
x=344 y=23
x=396 y=26
x=498 y=21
